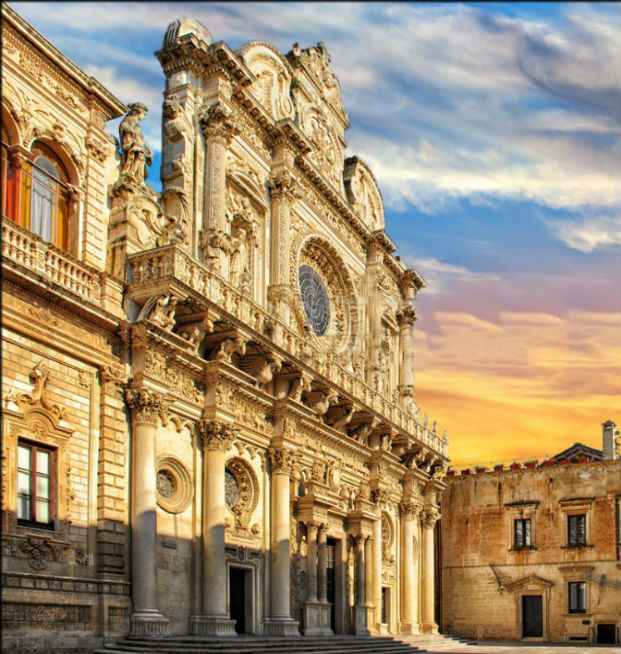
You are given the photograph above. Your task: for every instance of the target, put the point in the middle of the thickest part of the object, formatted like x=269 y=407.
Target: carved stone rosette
x=281 y=459
x=144 y=405
x=214 y=435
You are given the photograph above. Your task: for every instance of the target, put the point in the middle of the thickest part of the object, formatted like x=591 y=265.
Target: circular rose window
x=315 y=299
x=173 y=484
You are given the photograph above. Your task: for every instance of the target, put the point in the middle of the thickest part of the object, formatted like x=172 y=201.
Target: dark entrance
x=237 y=598
x=384 y=605
x=532 y=616
x=606 y=633
x=330 y=580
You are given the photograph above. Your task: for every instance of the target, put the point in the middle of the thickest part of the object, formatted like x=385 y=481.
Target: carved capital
x=144 y=405
x=217 y=122
x=429 y=517
x=409 y=510
x=214 y=435
x=283 y=186
x=406 y=315
x=112 y=380
x=281 y=459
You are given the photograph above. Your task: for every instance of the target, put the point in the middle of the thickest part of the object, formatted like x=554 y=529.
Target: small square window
x=36 y=484
x=577 y=597
x=521 y=533
x=576 y=530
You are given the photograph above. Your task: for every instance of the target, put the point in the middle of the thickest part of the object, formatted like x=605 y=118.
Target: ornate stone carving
x=281 y=459
x=174 y=485
x=218 y=122
x=39 y=551
x=39 y=396
x=429 y=517
x=406 y=315
x=409 y=509
x=242 y=492
x=214 y=435
x=145 y=405
x=160 y=310
x=135 y=153
x=283 y=186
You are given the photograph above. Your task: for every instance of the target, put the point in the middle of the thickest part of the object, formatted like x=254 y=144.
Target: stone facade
x=208 y=399
x=549 y=534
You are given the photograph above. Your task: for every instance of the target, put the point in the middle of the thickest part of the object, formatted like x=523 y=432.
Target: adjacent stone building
x=534 y=553
x=209 y=424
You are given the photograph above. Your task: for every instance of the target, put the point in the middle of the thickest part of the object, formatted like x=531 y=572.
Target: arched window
x=36 y=194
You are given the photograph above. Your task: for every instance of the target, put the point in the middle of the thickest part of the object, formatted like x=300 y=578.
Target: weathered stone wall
x=478 y=510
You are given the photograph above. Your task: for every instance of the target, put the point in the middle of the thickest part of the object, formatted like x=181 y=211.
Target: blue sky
x=494 y=131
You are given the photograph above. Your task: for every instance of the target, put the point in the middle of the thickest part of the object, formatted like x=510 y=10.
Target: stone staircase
x=260 y=645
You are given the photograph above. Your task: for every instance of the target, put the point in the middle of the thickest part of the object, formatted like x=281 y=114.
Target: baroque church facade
x=209 y=422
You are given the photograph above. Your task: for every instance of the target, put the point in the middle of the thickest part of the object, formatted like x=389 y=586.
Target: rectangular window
x=35 y=485
x=521 y=531
x=577 y=597
x=576 y=530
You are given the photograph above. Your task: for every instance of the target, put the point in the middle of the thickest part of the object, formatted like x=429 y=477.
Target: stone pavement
x=449 y=645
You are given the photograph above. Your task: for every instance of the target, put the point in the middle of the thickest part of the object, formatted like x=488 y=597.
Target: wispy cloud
x=588 y=233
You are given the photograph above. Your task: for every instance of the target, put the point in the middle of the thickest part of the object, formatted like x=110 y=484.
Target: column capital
x=429 y=517
x=214 y=435
x=218 y=122
x=144 y=405
x=283 y=186
x=409 y=509
x=406 y=316
x=281 y=459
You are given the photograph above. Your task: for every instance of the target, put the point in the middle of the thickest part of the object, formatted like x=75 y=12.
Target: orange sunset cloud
x=528 y=385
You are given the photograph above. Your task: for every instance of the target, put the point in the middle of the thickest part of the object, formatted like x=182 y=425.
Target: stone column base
x=361 y=621
x=220 y=626
x=281 y=627
x=429 y=628
x=148 y=624
x=409 y=628
x=317 y=619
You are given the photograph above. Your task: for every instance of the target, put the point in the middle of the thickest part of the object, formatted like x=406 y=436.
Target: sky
x=494 y=131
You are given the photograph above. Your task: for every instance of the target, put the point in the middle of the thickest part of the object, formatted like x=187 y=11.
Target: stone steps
x=259 y=645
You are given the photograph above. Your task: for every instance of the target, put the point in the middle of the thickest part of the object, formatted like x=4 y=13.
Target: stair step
x=261 y=645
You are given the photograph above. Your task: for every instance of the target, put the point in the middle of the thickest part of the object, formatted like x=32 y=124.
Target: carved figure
x=135 y=153
x=164 y=311
x=239 y=256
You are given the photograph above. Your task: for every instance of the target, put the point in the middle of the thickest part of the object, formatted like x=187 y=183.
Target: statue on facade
x=135 y=153
x=239 y=255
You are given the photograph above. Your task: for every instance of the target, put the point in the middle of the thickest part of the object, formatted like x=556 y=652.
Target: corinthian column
x=145 y=619
x=429 y=519
x=214 y=438
x=281 y=622
x=377 y=572
x=282 y=187
x=219 y=127
x=409 y=621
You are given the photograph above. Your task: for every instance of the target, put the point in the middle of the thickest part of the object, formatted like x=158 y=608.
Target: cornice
x=56 y=58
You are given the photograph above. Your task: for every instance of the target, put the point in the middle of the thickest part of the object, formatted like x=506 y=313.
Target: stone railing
x=26 y=250
x=171 y=262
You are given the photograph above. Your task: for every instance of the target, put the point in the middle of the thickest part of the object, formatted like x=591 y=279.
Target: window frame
x=574 y=507
x=581 y=586
x=579 y=533
x=32 y=521
x=522 y=510
x=526 y=533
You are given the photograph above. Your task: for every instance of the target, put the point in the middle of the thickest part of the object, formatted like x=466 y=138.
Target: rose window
x=173 y=484
x=166 y=483
x=231 y=489
x=315 y=299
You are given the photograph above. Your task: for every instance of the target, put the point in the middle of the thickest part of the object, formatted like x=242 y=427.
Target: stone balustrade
x=171 y=262
x=29 y=251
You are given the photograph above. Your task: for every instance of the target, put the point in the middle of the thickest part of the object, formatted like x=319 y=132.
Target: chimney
x=609 y=438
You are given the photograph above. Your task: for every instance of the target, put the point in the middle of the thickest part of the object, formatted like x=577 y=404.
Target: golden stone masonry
x=209 y=423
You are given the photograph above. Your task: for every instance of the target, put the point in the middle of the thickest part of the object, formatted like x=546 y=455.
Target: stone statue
x=239 y=256
x=135 y=153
